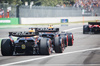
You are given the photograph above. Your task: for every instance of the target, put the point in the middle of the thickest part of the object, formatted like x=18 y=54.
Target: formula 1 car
x=26 y=43
x=59 y=40
x=92 y=27
x=67 y=37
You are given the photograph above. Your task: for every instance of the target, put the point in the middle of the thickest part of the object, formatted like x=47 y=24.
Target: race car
x=26 y=43
x=92 y=27
x=60 y=40
x=30 y=43
x=57 y=42
x=68 y=38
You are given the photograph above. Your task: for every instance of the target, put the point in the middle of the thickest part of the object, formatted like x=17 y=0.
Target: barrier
x=55 y=20
x=39 y=20
x=9 y=21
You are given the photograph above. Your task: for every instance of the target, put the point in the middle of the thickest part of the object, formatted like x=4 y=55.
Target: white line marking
x=73 y=29
x=23 y=61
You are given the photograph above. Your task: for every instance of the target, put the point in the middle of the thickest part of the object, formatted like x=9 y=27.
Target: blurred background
x=49 y=8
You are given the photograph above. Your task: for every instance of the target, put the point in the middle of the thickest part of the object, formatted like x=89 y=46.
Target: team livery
x=42 y=41
x=25 y=43
x=92 y=27
x=53 y=33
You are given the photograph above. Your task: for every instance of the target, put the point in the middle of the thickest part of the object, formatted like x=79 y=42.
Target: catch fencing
x=46 y=11
x=43 y=11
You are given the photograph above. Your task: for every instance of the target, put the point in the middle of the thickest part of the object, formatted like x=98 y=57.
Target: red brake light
x=90 y=26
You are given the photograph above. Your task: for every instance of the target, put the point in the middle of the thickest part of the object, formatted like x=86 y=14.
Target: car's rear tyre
x=65 y=38
x=6 y=47
x=70 y=39
x=85 y=29
x=59 y=48
x=45 y=47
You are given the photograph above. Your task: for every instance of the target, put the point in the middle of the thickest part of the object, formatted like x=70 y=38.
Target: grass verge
x=50 y=23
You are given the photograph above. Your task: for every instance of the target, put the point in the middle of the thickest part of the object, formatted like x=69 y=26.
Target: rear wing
x=46 y=29
x=94 y=23
x=23 y=34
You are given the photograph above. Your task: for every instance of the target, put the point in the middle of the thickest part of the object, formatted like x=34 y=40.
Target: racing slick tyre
x=45 y=48
x=6 y=47
x=59 y=48
x=65 y=38
x=85 y=29
x=70 y=39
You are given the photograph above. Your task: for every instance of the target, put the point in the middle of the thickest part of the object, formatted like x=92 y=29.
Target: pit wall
x=55 y=20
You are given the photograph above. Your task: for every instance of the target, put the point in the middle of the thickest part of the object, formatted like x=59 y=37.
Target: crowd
x=1 y=13
x=87 y=3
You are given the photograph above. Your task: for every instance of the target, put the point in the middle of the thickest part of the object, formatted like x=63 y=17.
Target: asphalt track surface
x=84 y=52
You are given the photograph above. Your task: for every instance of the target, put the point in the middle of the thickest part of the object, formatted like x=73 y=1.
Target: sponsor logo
x=64 y=20
x=23 y=46
x=23 y=33
x=5 y=21
x=46 y=29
